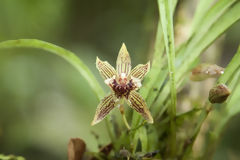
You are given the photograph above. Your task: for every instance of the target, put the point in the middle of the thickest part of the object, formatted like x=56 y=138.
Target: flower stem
x=121 y=108
x=201 y=120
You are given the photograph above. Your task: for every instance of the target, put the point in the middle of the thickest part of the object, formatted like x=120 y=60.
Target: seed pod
x=219 y=94
x=204 y=71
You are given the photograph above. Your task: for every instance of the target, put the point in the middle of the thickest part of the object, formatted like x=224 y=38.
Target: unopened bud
x=219 y=94
x=204 y=71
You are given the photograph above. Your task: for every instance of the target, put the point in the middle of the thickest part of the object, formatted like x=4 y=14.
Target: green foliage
x=231 y=77
x=165 y=81
x=197 y=43
x=167 y=28
x=231 y=70
x=10 y=157
x=67 y=55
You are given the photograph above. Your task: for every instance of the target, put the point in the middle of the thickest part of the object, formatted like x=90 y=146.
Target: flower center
x=122 y=87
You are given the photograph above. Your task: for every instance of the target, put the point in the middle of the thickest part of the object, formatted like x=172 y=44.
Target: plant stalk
x=201 y=120
x=167 y=26
x=121 y=109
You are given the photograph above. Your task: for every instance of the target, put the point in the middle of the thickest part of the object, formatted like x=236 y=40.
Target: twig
x=190 y=142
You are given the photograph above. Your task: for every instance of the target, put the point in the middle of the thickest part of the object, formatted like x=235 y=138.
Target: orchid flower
x=124 y=84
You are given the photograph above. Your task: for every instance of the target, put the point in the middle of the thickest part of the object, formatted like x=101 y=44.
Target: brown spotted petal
x=105 y=69
x=123 y=61
x=138 y=104
x=204 y=71
x=140 y=71
x=105 y=106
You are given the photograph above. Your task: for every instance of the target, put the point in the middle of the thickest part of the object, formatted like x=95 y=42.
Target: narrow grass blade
x=211 y=16
x=218 y=28
x=231 y=77
x=202 y=7
x=167 y=26
x=231 y=68
x=67 y=55
x=206 y=13
x=143 y=138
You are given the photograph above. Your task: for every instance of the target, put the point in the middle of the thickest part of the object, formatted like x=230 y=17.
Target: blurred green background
x=44 y=101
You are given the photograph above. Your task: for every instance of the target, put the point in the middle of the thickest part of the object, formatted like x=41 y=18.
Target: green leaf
x=231 y=77
x=186 y=115
x=201 y=118
x=208 y=19
x=156 y=87
x=152 y=138
x=233 y=103
x=67 y=55
x=206 y=14
x=231 y=68
x=192 y=51
x=167 y=26
x=196 y=47
x=202 y=7
x=142 y=132
x=10 y=157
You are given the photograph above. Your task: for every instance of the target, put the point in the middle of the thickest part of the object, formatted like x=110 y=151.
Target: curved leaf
x=67 y=55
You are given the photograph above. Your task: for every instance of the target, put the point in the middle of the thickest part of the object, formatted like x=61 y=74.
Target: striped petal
x=105 y=106
x=140 y=71
x=105 y=69
x=123 y=62
x=138 y=104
